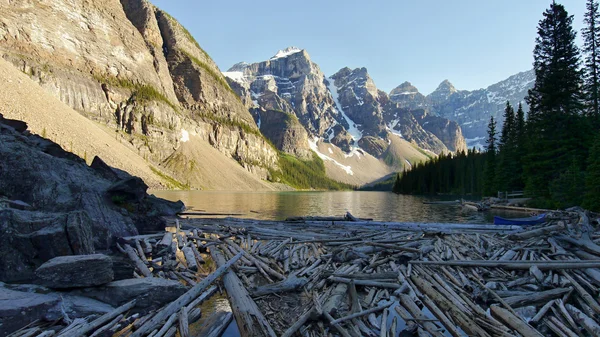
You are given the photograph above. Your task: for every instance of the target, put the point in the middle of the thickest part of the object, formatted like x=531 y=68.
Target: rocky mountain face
x=285 y=131
x=346 y=110
x=470 y=109
x=133 y=68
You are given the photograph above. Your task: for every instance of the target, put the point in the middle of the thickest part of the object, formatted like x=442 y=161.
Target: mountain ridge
x=471 y=109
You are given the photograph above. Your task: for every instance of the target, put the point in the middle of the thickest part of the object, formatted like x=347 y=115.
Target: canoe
x=451 y=202
x=533 y=220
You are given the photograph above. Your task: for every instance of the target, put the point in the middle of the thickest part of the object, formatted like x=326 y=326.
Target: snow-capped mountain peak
x=286 y=52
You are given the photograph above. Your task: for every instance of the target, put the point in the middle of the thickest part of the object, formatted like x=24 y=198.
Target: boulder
x=28 y=239
x=77 y=307
x=150 y=292
x=131 y=189
x=76 y=271
x=18 y=126
x=17 y=309
x=103 y=169
x=123 y=267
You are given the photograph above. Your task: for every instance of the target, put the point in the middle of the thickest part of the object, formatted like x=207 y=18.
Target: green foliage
x=145 y=93
x=489 y=171
x=142 y=92
x=546 y=153
x=454 y=174
x=383 y=185
x=592 y=181
x=554 y=125
x=118 y=200
x=508 y=159
x=567 y=190
x=591 y=49
x=217 y=77
x=397 y=186
x=231 y=122
x=305 y=174
x=170 y=181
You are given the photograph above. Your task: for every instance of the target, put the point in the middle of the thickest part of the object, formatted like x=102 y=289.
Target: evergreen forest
x=553 y=152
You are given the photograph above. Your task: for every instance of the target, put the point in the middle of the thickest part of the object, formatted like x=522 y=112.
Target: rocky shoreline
x=59 y=224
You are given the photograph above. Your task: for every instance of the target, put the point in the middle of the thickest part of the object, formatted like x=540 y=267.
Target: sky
x=472 y=43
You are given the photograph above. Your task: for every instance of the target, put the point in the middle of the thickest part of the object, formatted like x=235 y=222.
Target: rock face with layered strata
x=136 y=70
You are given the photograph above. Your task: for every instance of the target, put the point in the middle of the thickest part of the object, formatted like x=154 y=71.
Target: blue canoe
x=534 y=220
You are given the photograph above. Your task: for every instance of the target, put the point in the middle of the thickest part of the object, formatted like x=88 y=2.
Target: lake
x=383 y=206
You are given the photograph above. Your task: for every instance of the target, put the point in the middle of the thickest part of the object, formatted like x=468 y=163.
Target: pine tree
x=505 y=171
x=591 y=49
x=520 y=146
x=555 y=103
x=397 y=188
x=489 y=172
x=556 y=65
x=520 y=127
x=591 y=199
x=508 y=127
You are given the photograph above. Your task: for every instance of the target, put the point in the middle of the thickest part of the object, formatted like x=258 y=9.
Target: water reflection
x=383 y=206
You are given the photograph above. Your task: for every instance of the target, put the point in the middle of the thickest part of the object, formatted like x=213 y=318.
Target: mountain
x=352 y=125
x=140 y=79
x=471 y=109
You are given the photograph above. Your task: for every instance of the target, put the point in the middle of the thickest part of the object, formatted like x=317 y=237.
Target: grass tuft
x=143 y=92
x=172 y=182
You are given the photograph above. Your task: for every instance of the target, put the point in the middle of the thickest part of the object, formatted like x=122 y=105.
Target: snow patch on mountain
x=286 y=52
x=475 y=143
x=237 y=76
x=352 y=130
x=313 y=146
x=185 y=136
x=390 y=127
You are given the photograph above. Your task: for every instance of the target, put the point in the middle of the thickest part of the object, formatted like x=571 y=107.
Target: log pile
x=351 y=277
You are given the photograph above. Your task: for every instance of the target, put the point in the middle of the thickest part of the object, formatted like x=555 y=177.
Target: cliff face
x=285 y=131
x=292 y=83
x=134 y=69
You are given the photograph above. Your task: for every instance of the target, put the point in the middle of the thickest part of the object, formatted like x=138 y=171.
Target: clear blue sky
x=473 y=43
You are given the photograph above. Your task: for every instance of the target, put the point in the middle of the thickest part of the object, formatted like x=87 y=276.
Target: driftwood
x=292 y=283
x=85 y=328
x=514 y=322
x=342 y=278
x=362 y=313
x=515 y=265
x=139 y=264
x=185 y=298
x=249 y=318
x=536 y=298
x=216 y=324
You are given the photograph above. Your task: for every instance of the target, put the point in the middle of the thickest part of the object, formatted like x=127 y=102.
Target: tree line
x=553 y=153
